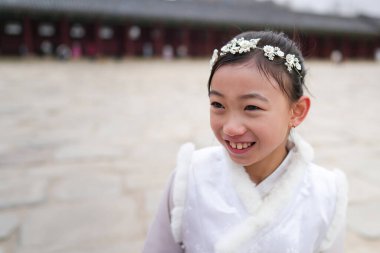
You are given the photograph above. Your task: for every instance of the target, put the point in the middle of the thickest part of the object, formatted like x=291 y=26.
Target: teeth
x=240 y=145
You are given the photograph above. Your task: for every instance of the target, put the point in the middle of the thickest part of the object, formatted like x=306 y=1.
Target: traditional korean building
x=171 y=28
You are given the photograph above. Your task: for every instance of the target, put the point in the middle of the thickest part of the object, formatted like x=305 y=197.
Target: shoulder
x=187 y=159
x=327 y=183
x=329 y=188
x=326 y=178
x=188 y=155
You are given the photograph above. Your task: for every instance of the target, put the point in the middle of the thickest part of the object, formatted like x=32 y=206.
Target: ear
x=300 y=110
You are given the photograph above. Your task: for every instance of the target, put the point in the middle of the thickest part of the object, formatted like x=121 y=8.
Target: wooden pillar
x=353 y=48
x=319 y=44
x=124 y=40
x=210 y=41
x=129 y=43
x=185 y=39
x=371 y=50
x=362 y=50
x=64 y=27
x=1 y=36
x=28 y=35
x=158 y=37
x=327 y=48
x=346 y=48
x=376 y=47
x=309 y=46
x=98 y=42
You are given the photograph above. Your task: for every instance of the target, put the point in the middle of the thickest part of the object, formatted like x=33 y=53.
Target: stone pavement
x=87 y=147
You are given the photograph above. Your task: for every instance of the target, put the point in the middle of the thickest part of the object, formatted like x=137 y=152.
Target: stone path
x=86 y=147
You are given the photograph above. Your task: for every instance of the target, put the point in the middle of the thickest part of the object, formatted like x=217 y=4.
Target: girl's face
x=250 y=115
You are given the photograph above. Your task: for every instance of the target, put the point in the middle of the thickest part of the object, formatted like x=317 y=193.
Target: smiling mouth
x=240 y=145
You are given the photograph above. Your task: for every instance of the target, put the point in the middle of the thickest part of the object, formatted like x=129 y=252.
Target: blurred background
x=97 y=96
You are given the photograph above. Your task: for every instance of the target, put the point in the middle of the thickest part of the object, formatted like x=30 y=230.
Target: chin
x=242 y=162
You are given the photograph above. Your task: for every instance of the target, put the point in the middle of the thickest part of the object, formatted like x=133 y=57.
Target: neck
x=262 y=169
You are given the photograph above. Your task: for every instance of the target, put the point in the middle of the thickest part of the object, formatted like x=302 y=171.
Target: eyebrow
x=245 y=96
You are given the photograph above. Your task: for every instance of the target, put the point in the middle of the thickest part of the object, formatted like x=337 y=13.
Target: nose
x=234 y=127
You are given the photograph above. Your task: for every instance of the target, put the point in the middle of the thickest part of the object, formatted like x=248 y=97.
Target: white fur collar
x=184 y=157
x=265 y=209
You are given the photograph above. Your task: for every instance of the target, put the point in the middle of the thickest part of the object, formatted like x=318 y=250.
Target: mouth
x=239 y=147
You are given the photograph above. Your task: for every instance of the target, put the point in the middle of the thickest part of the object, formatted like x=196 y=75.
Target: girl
x=258 y=192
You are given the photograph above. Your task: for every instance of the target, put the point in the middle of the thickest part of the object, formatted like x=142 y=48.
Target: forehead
x=240 y=79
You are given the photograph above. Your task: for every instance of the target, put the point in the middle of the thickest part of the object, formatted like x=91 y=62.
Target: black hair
x=291 y=83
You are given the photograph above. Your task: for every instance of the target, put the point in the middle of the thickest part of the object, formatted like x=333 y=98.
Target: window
x=134 y=32
x=46 y=30
x=77 y=31
x=13 y=28
x=106 y=32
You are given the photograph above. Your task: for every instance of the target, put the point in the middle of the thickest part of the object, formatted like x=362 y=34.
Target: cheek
x=215 y=123
x=272 y=126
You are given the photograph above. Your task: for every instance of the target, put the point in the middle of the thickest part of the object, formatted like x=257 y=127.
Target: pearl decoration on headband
x=242 y=45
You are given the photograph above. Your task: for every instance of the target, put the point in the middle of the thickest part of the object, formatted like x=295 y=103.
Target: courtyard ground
x=87 y=147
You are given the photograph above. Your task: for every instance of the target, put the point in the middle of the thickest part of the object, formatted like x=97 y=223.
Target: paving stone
x=152 y=199
x=360 y=190
x=21 y=191
x=145 y=180
x=23 y=156
x=8 y=224
x=370 y=173
x=75 y=225
x=130 y=246
x=56 y=170
x=87 y=185
x=86 y=151
x=355 y=243
x=110 y=247
x=364 y=219
x=9 y=173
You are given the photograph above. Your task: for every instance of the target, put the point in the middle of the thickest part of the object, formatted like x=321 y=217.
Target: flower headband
x=243 y=46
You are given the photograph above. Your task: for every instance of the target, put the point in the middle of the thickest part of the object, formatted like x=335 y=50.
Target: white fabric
x=180 y=185
x=299 y=208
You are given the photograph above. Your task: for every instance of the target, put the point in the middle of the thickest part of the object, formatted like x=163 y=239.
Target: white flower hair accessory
x=242 y=45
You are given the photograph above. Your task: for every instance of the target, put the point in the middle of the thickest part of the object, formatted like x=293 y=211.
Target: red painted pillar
x=310 y=46
x=210 y=42
x=124 y=39
x=345 y=48
x=98 y=42
x=354 y=48
x=129 y=43
x=28 y=35
x=185 y=39
x=64 y=27
x=327 y=49
x=319 y=42
x=362 y=50
x=371 y=50
x=158 y=38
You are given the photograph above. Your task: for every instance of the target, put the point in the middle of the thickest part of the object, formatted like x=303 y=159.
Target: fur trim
x=273 y=204
x=303 y=147
x=340 y=211
x=245 y=188
x=179 y=189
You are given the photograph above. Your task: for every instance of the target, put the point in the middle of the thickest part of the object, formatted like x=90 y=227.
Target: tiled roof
x=232 y=13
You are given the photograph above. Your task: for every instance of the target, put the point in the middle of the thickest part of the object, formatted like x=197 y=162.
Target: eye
x=251 y=108
x=217 y=105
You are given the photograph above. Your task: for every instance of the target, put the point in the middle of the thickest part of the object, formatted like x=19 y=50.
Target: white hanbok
x=212 y=206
